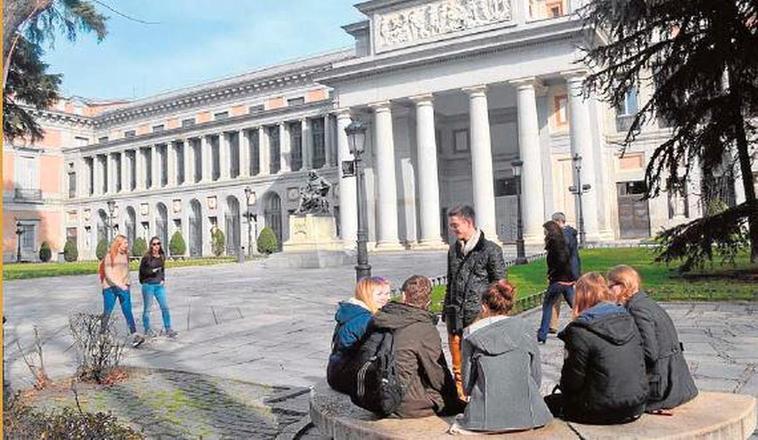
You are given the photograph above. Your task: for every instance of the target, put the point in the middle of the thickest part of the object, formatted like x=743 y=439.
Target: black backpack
x=378 y=387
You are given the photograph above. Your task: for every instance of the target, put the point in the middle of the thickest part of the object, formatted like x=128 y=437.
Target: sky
x=194 y=41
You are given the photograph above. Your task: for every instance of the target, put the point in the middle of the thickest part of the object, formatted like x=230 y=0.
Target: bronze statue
x=313 y=194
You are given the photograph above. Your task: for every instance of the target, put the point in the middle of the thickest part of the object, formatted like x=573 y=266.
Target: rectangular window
x=28 y=239
x=274 y=149
x=629 y=106
x=198 y=161
x=148 y=167
x=506 y=187
x=130 y=134
x=106 y=174
x=220 y=115
x=295 y=101
x=90 y=163
x=296 y=146
x=541 y=9
x=188 y=122
x=318 y=142
x=255 y=152
x=71 y=185
x=117 y=170
x=163 y=154
x=234 y=154
x=678 y=202
x=256 y=108
x=81 y=141
x=215 y=158
x=460 y=140
x=102 y=139
x=132 y=155
x=560 y=104
x=179 y=151
x=157 y=128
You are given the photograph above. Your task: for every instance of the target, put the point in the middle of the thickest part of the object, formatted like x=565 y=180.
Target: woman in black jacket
x=559 y=274
x=668 y=375
x=152 y=277
x=603 y=377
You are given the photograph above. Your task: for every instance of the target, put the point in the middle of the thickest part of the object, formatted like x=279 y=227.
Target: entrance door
x=195 y=230
x=634 y=214
x=273 y=214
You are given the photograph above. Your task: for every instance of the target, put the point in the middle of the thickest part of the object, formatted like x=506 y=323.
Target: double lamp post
x=356 y=137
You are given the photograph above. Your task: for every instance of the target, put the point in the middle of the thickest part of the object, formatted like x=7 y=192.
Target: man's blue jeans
x=554 y=291
x=109 y=302
x=159 y=292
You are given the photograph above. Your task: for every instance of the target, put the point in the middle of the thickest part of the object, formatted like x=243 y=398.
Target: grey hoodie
x=502 y=374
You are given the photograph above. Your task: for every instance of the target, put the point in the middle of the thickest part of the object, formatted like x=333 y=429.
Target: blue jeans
x=554 y=291
x=159 y=292
x=109 y=302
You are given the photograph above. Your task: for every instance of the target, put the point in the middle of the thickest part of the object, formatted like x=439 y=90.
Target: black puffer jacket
x=558 y=262
x=467 y=280
x=668 y=376
x=151 y=270
x=603 y=377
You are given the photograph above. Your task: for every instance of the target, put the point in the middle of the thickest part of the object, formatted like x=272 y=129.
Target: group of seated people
x=622 y=356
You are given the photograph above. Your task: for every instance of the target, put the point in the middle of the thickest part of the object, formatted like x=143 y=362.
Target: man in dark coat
x=419 y=360
x=572 y=245
x=473 y=263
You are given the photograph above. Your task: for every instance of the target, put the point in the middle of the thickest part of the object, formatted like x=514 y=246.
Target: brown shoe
x=553 y=331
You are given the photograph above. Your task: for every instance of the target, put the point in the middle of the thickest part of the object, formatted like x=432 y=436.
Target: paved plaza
x=273 y=326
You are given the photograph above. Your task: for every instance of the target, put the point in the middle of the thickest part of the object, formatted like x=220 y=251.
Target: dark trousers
x=554 y=291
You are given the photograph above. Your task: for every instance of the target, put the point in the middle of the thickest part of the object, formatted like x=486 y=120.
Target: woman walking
x=115 y=282
x=152 y=276
x=603 y=376
x=353 y=319
x=668 y=376
x=501 y=369
x=559 y=274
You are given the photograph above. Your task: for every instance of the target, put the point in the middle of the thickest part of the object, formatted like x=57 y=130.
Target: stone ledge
x=709 y=416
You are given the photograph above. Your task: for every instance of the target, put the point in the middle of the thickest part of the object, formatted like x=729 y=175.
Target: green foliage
x=176 y=246
x=70 y=253
x=139 y=247
x=267 y=242
x=21 y=422
x=218 y=242
x=44 y=252
x=101 y=249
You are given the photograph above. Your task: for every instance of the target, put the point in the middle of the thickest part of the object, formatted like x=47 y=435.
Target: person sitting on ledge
x=353 y=319
x=603 y=377
x=668 y=376
x=419 y=360
x=501 y=369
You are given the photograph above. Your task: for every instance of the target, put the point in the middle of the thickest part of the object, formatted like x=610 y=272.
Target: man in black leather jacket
x=473 y=263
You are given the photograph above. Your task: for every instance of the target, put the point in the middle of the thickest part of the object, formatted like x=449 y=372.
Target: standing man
x=473 y=263
x=569 y=233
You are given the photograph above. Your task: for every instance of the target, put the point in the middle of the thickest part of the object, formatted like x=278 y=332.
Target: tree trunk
x=743 y=154
x=15 y=13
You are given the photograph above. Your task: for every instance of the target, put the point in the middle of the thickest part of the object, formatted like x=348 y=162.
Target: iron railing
x=28 y=195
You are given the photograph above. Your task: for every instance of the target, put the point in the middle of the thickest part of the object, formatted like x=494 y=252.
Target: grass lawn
x=20 y=271
x=716 y=282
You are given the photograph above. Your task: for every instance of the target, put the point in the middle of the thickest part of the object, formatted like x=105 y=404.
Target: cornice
x=60 y=117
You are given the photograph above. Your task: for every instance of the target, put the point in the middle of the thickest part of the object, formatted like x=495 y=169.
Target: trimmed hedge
x=139 y=247
x=176 y=246
x=101 y=249
x=218 y=242
x=70 y=253
x=267 y=242
x=44 y=252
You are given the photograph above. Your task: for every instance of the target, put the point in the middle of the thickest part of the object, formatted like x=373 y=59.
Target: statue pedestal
x=313 y=244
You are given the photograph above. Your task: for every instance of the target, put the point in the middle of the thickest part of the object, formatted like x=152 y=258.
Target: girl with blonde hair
x=603 y=375
x=669 y=379
x=353 y=319
x=114 y=279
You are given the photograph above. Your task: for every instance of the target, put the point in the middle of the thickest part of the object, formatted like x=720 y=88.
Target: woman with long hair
x=152 y=276
x=115 y=283
x=559 y=274
x=501 y=369
x=603 y=376
x=668 y=375
x=353 y=319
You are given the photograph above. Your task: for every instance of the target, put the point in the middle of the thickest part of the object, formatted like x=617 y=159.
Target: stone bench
x=709 y=416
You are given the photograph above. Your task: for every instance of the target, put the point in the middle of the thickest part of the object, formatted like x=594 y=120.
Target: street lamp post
x=19 y=233
x=111 y=209
x=579 y=190
x=356 y=135
x=520 y=251
x=250 y=195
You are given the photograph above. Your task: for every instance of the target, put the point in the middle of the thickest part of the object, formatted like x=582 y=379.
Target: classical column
x=386 y=180
x=481 y=161
x=206 y=152
x=264 y=153
x=305 y=142
x=124 y=171
x=189 y=162
x=581 y=143
x=171 y=159
x=98 y=170
x=155 y=167
x=328 y=140
x=243 y=146
x=88 y=176
x=428 y=179
x=112 y=172
x=285 y=148
x=347 y=186
x=530 y=152
x=224 y=155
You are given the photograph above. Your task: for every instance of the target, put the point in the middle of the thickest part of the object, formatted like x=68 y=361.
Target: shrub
x=267 y=242
x=98 y=346
x=44 y=252
x=176 y=245
x=101 y=249
x=139 y=247
x=218 y=242
x=70 y=253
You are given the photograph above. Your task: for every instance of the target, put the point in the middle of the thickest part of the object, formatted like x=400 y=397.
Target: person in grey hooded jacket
x=501 y=369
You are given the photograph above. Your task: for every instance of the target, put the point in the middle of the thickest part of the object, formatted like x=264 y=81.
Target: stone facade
x=452 y=92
